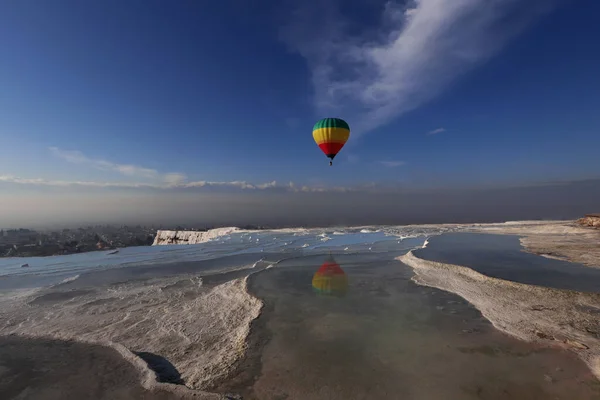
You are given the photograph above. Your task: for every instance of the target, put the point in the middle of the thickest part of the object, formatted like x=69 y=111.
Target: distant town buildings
x=30 y=243
x=26 y=242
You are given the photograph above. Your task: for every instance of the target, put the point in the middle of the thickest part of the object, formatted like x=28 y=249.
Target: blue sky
x=180 y=93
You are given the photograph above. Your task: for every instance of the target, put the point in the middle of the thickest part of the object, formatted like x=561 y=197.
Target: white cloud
x=174 y=178
x=63 y=183
x=233 y=184
x=267 y=185
x=392 y=164
x=132 y=171
x=417 y=50
x=75 y=157
x=197 y=185
x=436 y=131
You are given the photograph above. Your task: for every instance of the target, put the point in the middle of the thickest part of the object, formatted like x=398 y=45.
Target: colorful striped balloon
x=331 y=134
x=330 y=279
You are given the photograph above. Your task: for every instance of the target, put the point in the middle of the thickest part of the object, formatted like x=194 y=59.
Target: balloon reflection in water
x=330 y=279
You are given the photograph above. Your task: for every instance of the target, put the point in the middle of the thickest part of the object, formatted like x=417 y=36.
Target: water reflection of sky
x=384 y=336
x=502 y=256
x=249 y=246
x=495 y=255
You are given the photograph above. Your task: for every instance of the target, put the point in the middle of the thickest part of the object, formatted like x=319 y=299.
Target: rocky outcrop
x=592 y=220
x=190 y=237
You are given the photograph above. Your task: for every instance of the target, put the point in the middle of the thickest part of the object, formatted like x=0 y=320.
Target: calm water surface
x=382 y=336
x=502 y=256
x=343 y=320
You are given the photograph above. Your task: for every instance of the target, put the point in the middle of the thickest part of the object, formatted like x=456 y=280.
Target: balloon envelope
x=330 y=279
x=331 y=134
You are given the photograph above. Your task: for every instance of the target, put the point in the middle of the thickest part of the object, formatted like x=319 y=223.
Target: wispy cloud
x=196 y=185
x=174 y=178
x=419 y=47
x=392 y=164
x=64 y=183
x=128 y=170
x=153 y=179
x=233 y=184
x=436 y=131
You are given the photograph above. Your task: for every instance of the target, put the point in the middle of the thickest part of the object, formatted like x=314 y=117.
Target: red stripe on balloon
x=331 y=147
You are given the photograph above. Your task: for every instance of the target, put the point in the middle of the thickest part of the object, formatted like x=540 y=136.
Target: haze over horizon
x=199 y=113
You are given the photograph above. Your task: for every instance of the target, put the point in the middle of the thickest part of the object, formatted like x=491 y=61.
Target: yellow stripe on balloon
x=331 y=135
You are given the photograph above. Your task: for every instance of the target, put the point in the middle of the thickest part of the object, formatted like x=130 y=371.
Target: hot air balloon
x=331 y=134
x=330 y=279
